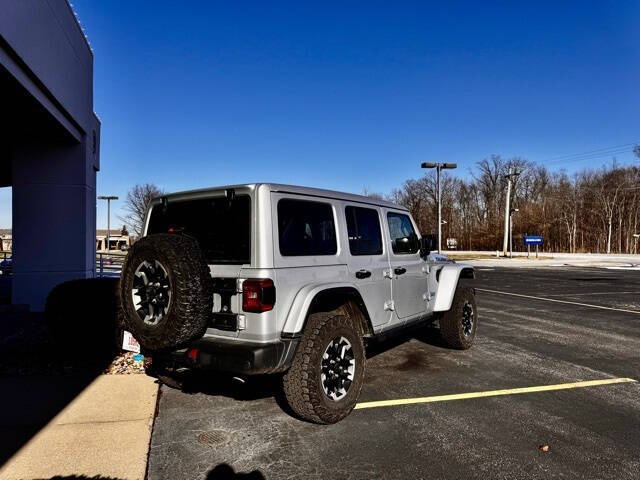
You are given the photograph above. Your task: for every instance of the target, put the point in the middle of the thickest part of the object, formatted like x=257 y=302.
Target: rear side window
x=363 y=228
x=222 y=227
x=403 y=237
x=306 y=228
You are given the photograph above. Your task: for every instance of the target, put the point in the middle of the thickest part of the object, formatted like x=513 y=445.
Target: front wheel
x=325 y=379
x=458 y=325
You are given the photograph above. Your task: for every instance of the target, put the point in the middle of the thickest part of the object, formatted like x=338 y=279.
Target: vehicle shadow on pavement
x=255 y=387
x=270 y=386
x=46 y=361
x=211 y=383
x=429 y=335
x=225 y=471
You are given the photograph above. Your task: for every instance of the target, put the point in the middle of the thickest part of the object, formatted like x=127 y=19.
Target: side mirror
x=408 y=244
x=427 y=245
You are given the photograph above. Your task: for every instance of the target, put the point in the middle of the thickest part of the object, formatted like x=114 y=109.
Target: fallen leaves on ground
x=124 y=364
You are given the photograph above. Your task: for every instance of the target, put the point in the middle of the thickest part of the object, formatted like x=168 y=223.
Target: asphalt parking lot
x=217 y=429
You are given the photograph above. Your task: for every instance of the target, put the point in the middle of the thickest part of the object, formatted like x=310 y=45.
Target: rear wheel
x=458 y=325
x=325 y=379
x=165 y=291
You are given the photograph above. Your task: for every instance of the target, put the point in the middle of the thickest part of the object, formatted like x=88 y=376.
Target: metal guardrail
x=109 y=264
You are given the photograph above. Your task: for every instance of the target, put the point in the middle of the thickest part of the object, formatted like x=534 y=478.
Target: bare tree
x=136 y=205
x=567 y=197
x=368 y=193
x=608 y=194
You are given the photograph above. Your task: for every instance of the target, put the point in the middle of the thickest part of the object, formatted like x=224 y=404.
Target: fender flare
x=295 y=321
x=448 y=277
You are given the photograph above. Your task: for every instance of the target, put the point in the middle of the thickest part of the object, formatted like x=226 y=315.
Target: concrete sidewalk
x=104 y=431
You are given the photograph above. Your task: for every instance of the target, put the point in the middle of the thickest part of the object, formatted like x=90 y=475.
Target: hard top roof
x=298 y=190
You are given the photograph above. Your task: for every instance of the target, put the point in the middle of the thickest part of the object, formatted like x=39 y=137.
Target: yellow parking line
x=494 y=393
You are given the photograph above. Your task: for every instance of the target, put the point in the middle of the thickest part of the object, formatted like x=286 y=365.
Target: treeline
x=592 y=211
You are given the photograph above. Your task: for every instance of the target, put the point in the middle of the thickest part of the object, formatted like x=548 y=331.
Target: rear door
x=407 y=267
x=369 y=260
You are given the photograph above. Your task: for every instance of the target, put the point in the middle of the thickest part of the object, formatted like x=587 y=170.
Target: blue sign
x=533 y=239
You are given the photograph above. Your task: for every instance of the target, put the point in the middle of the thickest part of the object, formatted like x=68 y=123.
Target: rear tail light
x=258 y=295
x=192 y=354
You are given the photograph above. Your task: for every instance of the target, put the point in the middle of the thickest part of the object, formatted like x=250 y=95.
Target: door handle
x=363 y=274
x=399 y=270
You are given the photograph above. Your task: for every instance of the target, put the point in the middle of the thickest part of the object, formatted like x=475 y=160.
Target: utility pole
x=507 y=209
x=108 y=198
x=439 y=166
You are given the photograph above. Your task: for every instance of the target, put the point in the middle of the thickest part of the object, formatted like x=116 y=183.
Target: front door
x=409 y=286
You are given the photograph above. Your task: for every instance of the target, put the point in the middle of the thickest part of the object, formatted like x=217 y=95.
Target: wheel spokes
x=337 y=368
x=151 y=291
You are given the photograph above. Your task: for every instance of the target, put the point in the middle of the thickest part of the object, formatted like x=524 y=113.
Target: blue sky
x=195 y=94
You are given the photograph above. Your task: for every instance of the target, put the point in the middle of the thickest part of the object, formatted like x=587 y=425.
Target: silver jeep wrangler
x=264 y=278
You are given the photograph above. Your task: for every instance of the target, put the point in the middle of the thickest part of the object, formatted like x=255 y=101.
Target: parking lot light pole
x=511 y=212
x=507 y=212
x=108 y=198
x=439 y=166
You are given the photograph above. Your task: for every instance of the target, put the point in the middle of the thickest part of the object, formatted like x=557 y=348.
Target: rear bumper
x=233 y=356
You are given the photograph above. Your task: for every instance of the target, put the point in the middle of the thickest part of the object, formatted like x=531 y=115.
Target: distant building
x=7 y=242
x=117 y=241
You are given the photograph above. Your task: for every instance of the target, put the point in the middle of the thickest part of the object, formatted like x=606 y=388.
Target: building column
x=54 y=216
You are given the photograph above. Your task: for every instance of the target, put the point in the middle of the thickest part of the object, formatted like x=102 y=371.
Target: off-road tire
x=190 y=284
x=302 y=383
x=451 y=324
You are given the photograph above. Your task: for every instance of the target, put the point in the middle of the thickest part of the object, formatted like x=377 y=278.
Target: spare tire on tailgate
x=165 y=291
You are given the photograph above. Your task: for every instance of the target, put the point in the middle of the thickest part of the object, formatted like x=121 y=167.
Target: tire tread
x=450 y=329
x=299 y=383
x=191 y=291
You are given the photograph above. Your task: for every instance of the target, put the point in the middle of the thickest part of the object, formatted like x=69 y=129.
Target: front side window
x=403 y=237
x=306 y=228
x=363 y=228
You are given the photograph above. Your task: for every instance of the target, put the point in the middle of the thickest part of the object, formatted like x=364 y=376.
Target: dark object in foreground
x=82 y=317
x=226 y=472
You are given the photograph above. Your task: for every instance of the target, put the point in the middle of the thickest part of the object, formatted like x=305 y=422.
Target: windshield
x=222 y=227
